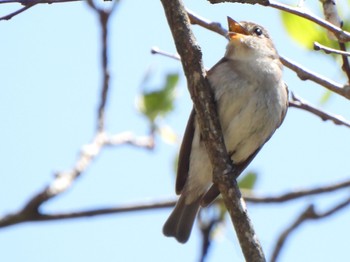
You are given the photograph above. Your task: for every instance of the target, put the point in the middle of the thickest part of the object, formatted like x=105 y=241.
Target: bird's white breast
x=249 y=107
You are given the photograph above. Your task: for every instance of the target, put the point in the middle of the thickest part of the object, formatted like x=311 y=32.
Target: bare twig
x=305 y=74
x=343 y=36
x=9 y=16
x=308 y=214
x=296 y=194
x=64 y=180
x=30 y=2
x=199 y=88
x=212 y=26
x=157 y=51
x=302 y=73
x=104 y=16
x=302 y=104
x=206 y=227
x=30 y=212
x=346 y=66
x=294 y=102
x=331 y=15
x=328 y=50
x=22 y=217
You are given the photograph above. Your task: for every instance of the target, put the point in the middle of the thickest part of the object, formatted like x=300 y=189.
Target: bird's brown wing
x=186 y=146
x=184 y=155
x=213 y=192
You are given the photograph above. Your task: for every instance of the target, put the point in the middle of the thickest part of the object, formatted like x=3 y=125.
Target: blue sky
x=50 y=78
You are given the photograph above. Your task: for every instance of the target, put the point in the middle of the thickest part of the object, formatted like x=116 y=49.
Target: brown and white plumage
x=251 y=100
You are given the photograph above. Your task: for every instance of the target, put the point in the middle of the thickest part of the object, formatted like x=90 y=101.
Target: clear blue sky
x=50 y=80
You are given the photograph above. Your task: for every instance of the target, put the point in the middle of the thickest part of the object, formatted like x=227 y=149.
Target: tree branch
x=212 y=26
x=328 y=50
x=9 y=16
x=294 y=195
x=341 y=35
x=302 y=73
x=104 y=16
x=28 y=4
x=28 y=215
x=64 y=180
x=331 y=15
x=22 y=217
x=302 y=104
x=308 y=214
x=305 y=74
x=202 y=97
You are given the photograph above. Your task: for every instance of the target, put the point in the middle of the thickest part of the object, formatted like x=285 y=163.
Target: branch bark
x=191 y=58
x=302 y=73
x=340 y=34
x=302 y=104
x=308 y=214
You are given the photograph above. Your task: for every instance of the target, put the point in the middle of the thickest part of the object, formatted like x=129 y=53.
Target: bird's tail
x=180 y=221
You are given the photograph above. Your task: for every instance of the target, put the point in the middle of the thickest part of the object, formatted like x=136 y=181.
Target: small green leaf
x=306 y=32
x=248 y=180
x=161 y=102
x=325 y=97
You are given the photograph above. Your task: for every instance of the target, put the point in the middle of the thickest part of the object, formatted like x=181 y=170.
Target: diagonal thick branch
x=202 y=97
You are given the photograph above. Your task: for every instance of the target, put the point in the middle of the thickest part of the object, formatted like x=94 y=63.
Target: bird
x=251 y=100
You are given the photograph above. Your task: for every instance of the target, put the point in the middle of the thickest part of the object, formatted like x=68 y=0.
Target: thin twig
x=30 y=211
x=303 y=74
x=328 y=50
x=331 y=15
x=104 y=16
x=30 y=2
x=308 y=214
x=157 y=51
x=9 y=16
x=212 y=26
x=302 y=104
x=296 y=194
x=64 y=180
x=294 y=102
x=342 y=36
x=346 y=66
x=13 y=219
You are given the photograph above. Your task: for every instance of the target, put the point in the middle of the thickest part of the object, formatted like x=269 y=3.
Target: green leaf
x=161 y=102
x=248 y=181
x=305 y=32
x=325 y=97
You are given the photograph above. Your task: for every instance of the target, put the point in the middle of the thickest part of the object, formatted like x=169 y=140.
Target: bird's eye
x=258 y=31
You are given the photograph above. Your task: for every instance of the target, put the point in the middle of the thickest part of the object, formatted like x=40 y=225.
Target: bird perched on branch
x=251 y=100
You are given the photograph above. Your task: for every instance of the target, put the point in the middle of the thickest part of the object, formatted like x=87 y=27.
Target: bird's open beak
x=235 y=29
